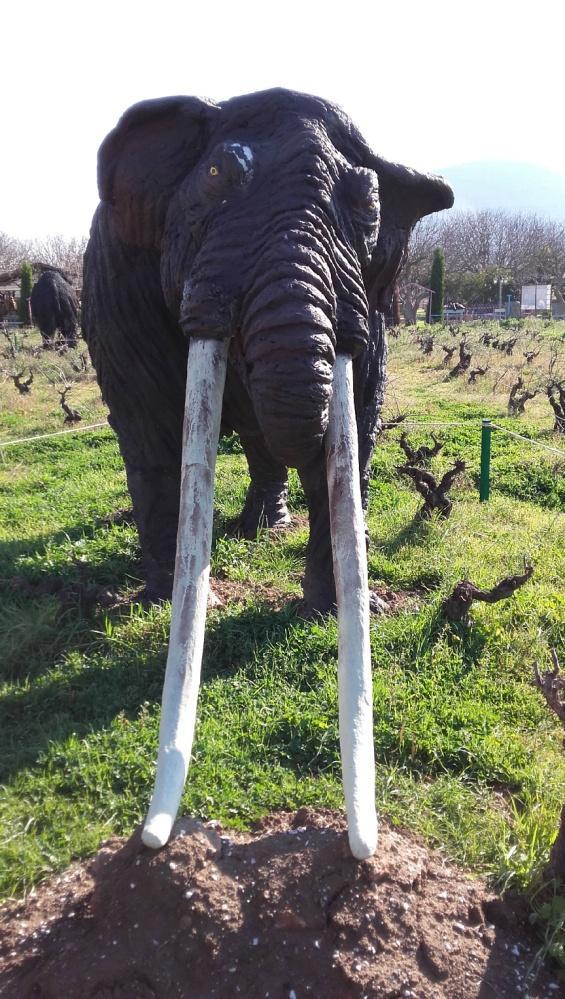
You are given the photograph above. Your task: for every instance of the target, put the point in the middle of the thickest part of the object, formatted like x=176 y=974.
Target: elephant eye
x=213 y=171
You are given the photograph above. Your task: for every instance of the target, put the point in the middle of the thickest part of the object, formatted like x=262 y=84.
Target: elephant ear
x=406 y=196
x=145 y=157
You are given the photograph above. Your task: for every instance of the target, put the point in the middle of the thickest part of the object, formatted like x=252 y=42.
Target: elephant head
x=275 y=225
x=277 y=236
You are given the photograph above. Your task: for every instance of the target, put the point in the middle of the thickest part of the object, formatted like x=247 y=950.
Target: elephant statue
x=55 y=306
x=239 y=267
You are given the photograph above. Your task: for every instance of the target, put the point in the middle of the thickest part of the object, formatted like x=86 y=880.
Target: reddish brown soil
x=283 y=913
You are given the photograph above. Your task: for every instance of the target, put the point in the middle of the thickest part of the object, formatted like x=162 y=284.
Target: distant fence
x=486 y=428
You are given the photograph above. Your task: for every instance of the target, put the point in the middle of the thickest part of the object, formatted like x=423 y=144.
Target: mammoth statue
x=260 y=239
x=55 y=306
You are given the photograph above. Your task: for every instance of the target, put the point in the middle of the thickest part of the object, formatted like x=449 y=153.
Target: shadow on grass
x=411 y=535
x=120 y=676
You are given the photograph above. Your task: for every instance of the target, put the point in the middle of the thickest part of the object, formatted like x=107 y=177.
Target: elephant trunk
x=289 y=349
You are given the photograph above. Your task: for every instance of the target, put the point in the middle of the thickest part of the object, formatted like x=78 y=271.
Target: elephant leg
x=153 y=470
x=140 y=359
x=369 y=377
x=369 y=374
x=48 y=331
x=69 y=335
x=265 y=502
x=155 y=494
x=318 y=583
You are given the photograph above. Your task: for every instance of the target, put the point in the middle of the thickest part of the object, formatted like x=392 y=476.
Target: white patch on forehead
x=243 y=155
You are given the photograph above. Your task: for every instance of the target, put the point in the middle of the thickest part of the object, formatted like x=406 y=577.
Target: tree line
x=480 y=249
x=484 y=248
x=57 y=251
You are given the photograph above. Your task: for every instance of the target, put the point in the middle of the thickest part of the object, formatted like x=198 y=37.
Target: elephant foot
x=319 y=595
x=149 y=595
x=320 y=599
x=265 y=507
x=376 y=604
x=158 y=584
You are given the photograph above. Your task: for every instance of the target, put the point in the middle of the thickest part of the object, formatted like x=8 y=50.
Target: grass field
x=467 y=753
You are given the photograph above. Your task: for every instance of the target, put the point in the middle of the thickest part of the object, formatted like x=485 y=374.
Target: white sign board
x=536 y=297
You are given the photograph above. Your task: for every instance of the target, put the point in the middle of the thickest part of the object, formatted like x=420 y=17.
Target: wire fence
x=530 y=440
x=486 y=428
x=56 y=433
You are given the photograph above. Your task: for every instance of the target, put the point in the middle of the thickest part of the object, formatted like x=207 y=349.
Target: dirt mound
x=282 y=913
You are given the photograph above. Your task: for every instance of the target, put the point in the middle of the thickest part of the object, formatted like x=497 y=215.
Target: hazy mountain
x=511 y=186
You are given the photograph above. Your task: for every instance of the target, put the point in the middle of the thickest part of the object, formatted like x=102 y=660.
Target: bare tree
x=518 y=247
x=13 y=251
x=410 y=295
x=57 y=252
x=63 y=254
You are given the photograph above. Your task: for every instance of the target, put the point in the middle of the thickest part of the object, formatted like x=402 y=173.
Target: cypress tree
x=26 y=281
x=437 y=285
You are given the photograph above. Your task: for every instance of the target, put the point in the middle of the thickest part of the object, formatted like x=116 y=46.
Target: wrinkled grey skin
x=267 y=220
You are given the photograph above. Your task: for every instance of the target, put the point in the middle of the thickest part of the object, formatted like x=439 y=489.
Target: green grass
x=467 y=753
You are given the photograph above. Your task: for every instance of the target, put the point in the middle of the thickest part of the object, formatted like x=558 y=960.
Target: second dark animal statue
x=265 y=219
x=55 y=306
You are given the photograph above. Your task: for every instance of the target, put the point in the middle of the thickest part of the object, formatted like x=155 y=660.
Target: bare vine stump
x=420 y=455
x=556 y=396
x=517 y=399
x=434 y=493
x=477 y=373
x=449 y=352
x=23 y=387
x=457 y=605
x=464 y=362
x=71 y=415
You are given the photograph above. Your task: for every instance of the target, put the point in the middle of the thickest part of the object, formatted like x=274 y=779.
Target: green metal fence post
x=484 y=487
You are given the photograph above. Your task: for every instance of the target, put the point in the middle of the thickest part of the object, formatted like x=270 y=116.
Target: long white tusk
x=206 y=375
x=352 y=590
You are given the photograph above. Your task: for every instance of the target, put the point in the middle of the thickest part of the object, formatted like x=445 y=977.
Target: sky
x=429 y=83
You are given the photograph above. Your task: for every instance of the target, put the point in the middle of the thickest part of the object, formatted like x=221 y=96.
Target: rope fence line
x=433 y=423
x=486 y=429
x=521 y=437
x=470 y=424
x=57 y=433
